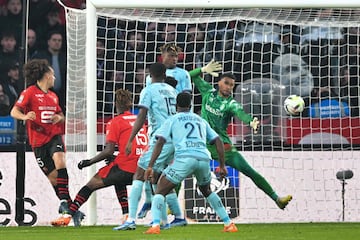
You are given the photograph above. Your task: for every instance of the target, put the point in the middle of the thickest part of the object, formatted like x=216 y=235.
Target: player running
x=218 y=108
x=39 y=107
x=119 y=171
x=189 y=133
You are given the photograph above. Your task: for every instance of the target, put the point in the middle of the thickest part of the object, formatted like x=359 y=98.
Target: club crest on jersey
x=211 y=99
x=222 y=106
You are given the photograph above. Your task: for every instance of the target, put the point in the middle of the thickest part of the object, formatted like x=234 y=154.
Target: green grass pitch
x=288 y=231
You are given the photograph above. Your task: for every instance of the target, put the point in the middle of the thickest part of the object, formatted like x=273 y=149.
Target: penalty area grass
x=283 y=231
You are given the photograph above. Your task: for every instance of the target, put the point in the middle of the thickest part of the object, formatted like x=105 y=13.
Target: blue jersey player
x=169 y=54
x=189 y=133
x=157 y=103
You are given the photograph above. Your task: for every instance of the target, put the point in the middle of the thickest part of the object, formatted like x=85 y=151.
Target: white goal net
x=273 y=53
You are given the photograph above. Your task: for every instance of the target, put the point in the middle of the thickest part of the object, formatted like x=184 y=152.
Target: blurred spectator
x=104 y=69
x=294 y=74
x=13 y=19
x=3 y=11
x=38 y=11
x=9 y=52
x=51 y=24
x=194 y=47
x=135 y=86
x=170 y=33
x=350 y=88
x=57 y=59
x=4 y=103
x=10 y=82
x=289 y=40
x=32 y=49
x=323 y=103
x=134 y=51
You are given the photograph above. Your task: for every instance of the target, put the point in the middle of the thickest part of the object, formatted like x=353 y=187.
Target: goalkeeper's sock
x=157 y=209
x=148 y=192
x=82 y=196
x=62 y=185
x=173 y=202
x=134 y=198
x=274 y=196
x=121 y=193
x=216 y=203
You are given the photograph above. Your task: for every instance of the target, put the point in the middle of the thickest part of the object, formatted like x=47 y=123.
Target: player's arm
x=106 y=153
x=239 y=112
x=58 y=118
x=17 y=113
x=220 y=150
x=199 y=82
x=139 y=122
x=211 y=68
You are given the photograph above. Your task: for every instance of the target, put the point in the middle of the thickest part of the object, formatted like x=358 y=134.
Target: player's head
x=157 y=72
x=226 y=84
x=170 y=54
x=123 y=100
x=171 y=81
x=39 y=71
x=183 y=101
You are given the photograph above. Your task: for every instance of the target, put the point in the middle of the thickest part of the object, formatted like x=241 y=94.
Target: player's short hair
x=171 y=81
x=157 y=70
x=170 y=47
x=183 y=100
x=123 y=98
x=228 y=75
x=35 y=69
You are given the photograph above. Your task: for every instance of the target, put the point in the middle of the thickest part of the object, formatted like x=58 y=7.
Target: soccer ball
x=294 y=105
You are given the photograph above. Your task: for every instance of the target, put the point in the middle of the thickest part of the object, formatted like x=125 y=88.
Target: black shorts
x=44 y=154
x=117 y=176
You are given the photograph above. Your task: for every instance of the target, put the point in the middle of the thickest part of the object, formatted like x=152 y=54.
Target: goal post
x=245 y=37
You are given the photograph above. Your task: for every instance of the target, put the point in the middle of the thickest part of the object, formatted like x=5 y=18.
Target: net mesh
x=273 y=53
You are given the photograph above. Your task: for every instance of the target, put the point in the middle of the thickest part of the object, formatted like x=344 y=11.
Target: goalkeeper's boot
x=126 y=226
x=282 y=202
x=144 y=210
x=64 y=207
x=177 y=222
x=153 y=230
x=62 y=221
x=77 y=218
x=230 y=228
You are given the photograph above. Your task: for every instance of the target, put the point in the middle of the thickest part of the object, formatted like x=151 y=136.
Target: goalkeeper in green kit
x=217 y=108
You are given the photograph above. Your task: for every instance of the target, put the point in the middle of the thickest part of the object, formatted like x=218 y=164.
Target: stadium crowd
x=318 y=63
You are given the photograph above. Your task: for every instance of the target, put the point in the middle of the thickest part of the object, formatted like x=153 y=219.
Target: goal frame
x=91 y=29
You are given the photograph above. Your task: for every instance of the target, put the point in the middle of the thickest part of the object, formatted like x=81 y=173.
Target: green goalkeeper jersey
x=217 y=110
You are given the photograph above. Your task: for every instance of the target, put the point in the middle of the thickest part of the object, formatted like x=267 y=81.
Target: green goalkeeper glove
x=254 y=124
x=212 y=68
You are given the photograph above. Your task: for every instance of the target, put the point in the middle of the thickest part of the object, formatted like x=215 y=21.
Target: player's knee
x=205 y=190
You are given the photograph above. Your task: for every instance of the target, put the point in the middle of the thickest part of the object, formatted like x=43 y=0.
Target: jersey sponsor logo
x=216 y=112
x=59 y=146
x=46 y=116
